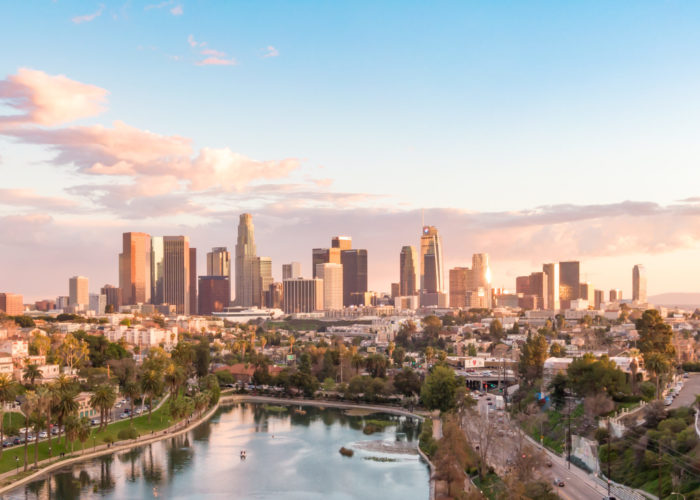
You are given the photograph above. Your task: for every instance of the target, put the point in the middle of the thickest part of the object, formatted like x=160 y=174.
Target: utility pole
x=609 y=444
x=569 y=441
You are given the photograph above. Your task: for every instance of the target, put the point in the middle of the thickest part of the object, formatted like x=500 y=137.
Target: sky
x=533 y=131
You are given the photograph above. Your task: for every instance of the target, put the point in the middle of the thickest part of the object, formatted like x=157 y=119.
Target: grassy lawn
x=160 y=419
x=13 y=419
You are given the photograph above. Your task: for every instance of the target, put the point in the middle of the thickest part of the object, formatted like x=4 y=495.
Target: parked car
x=549 y=463
x=124 y=415
x=7 y=443
x=559 y=482
x=43 y=435
x=16 y=441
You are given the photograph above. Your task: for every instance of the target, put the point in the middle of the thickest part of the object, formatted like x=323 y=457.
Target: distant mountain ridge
x=675 y=299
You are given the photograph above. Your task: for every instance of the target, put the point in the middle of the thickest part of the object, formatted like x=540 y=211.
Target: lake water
x=290 y=455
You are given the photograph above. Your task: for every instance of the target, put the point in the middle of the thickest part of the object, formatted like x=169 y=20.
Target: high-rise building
x=639 y=284
x=157 y=270
x=432 y=278
x=78 y=295
x=615 y=295
x=481 y=271
x=341 y=242
x=45 y=305
x=193 y=281
x=598 y=299
x=522 y=285
x=587 y=293
x=395 y=290
x=214 y=294
x=332 y=276
x=219 y=262
x=246 y=262
x=538 y=288
x=460 y=284
x=275 y=296
x=354 y=273
x=262 y=274
x=135 y=268
x=408 y=270
x=291 y=270
x=569 y=283
x=552 y=272
x=11 y=304
x=176 y=273
x=98 y=303
x=324 y=256
x=303 y=295
x=62 y=302
x=113 y=296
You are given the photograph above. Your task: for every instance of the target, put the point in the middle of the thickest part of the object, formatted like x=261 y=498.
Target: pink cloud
x=177 y=10
x=89 y=17
x=213 y=52
x=29 y=198
x=49 y=99
x=271 y=51
x=216 y=61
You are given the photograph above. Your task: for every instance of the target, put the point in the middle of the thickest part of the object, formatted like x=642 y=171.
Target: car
x=16 y=441
x=685 y=375
x=7 y=443
x=124 y=415
x=559 y=482
x=94 y=421
x=668 y=401
x=43 y=435
x=548 y=463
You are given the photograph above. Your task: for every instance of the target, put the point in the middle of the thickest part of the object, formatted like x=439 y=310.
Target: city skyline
x=90 y=150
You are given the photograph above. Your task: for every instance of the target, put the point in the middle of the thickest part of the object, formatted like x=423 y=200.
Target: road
x=507 y=442
x=691 y=387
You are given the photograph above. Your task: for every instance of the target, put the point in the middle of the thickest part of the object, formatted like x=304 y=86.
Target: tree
x=558 y=387
x=40 y=343
x=655 y=335
x=66 y=406
x=174 y=377
x=407 y=382
x=29 y=406
x=390 y=350
x=439 y=389
x=132 y=390
x=472 y=350
x=431 y=327
x=532 y=358
x=72 y=428
x=73 y=351
x=357 y=362
x=656 y=363
x=588 y=375
x=556 y=350
x=376 y=365
x=496 y=331
x=31 y=372
x=429 y=354
x=407 y=329
x=202 y=357
x=8 y=391
x=83 y=431
x=103 y=399
x=151 y=385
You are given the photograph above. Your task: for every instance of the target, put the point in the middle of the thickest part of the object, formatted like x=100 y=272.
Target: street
x=691 y=387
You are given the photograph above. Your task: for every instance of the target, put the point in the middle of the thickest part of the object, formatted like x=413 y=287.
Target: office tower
x=98 y=303
x=193 y=281
x=522 y=285
x=354 y=273
x=460 y=284
x=246 y=262
x=552 y=272
x=262 y=276
x=11 y=304
x=135 y=268
x=408 y=271
x=113 y=296
x=341 y=242
x=219 y=262
x=569 y=281
x=615 y=295
x=639 y=284
x=481 y=271
x=78 y=295
x=332 y=276
x=303 y=295
x=324 y=256
x=214 y=294
x=176 y=273
x=538 y=288
x=587 y=293
x=291 y=270
x=599 y=299
x=431 y=269
x=43 y=305
x=62 y=302
x=395 y=290
x=275 y=296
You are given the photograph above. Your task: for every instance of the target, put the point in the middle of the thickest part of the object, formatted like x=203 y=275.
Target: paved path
x=691 y=387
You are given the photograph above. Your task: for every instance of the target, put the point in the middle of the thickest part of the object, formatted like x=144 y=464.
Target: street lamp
x=94 y=443
x=17 y=462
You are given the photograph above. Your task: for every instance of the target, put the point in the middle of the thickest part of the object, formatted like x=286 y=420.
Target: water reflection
x=292 y=454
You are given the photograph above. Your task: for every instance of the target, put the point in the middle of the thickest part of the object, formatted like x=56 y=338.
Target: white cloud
x=271 y=51
x=195 y=43
x=177 y=10
x=89 y=17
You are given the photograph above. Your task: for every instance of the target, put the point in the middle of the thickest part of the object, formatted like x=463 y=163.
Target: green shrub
x=128 y=433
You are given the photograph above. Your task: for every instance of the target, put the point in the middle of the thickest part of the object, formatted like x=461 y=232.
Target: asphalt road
x=578 y=484
x=691 y=387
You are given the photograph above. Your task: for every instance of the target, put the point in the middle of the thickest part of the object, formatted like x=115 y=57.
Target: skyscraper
x=341 y=242
x=538 y=288
x=569 y=283
x=113 y=295
x=303 y=295
x=599 y=299
x=11 y=304
x=78 y=295
x=219 y=262
x=291 y=270
x=262 y=276
x=332 y=276
x=639 y=284
x=432 y=279
x=587 y=293
x=552 y=272
x=176 y=273
x=354 y=273
x=615 y=295
x=193 y=281
x=157 y=270
x=246 y=262
x=214 y=294
x=135 y=268
x=324 y=256
x=408 y=271
x=481 y=275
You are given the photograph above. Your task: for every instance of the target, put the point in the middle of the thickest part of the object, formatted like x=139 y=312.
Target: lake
x=291 y=453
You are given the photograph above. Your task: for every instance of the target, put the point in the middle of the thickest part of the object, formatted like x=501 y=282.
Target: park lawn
x=160 y=419
x=12 y=419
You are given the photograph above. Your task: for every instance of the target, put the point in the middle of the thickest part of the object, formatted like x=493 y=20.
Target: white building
x=145 y=337
x=332 y=276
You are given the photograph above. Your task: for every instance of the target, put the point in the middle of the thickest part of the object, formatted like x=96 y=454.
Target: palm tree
x=201 y=400
x=656 y=363
x=43 y=398
x=7 y=394
x=103 y=399
x=390 y=350
x=66 y=405
x=132 y=390
x=429 y=353
x=72 y=429
x=29 y=405
x=83 y=431
x=31 y=373
x=291 y=343
x=357 y=362
x=263 y=341
x=151 y=384
x=174 y=377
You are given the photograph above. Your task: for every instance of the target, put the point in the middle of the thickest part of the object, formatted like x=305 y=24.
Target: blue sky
x=478 y=107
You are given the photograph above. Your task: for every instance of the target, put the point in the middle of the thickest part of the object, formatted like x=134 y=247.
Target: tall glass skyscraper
x=246 y=262
x=639 y=283
x=135 y=269
x=432 y=278
x=408 y=268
